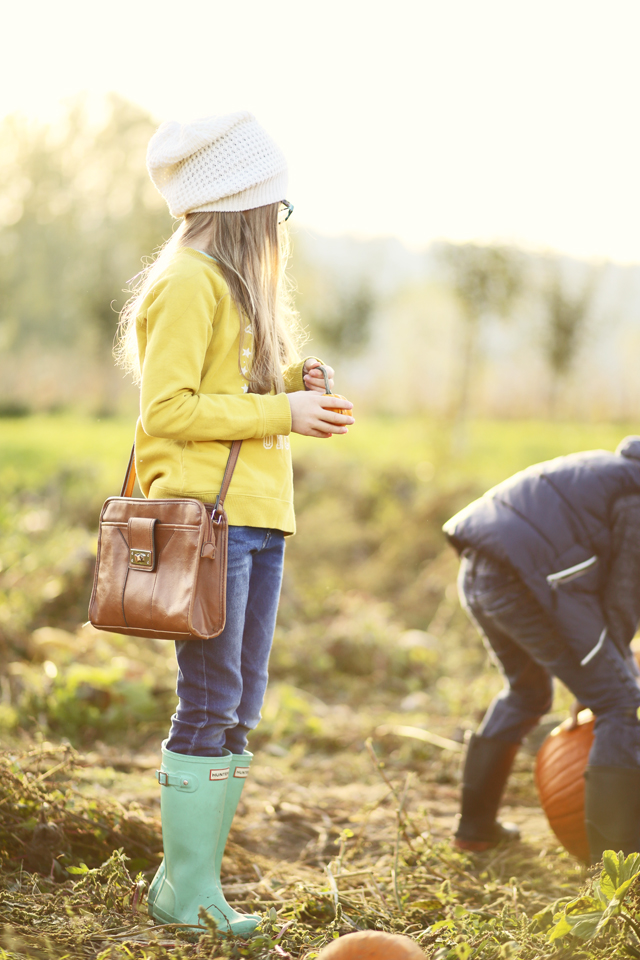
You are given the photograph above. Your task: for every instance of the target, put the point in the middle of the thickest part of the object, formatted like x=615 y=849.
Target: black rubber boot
x=486 y=769
x=612 y=810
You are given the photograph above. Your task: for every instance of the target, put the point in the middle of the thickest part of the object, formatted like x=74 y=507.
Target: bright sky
x=466 y=119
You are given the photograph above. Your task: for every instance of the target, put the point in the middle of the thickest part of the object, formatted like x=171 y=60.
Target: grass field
x=32 y=447
x=370 y=637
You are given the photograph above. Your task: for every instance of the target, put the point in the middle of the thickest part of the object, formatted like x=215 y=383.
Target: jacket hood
x=629 y=447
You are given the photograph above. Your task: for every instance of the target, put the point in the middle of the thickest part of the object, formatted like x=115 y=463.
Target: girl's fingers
x=317 y=386
x=333 y=416
x=332 y=427
x=328 y=401
x=313 y=365
x=314 y=377
x=317 y=383
x=330 y=422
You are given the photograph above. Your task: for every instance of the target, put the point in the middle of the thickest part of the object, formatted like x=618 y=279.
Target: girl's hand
x=311 y=418
x=313 y=378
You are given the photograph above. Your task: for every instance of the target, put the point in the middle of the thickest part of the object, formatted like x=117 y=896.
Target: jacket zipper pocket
x=571 y=573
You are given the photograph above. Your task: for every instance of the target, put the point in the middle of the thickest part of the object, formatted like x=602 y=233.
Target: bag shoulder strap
x=130 y=475
x=234 y=453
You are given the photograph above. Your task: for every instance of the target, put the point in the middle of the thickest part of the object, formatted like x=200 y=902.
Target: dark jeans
x=530 y=651
x=222 y=681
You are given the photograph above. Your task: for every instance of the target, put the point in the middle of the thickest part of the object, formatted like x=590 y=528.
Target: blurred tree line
x=490 y=281
x=78 y=213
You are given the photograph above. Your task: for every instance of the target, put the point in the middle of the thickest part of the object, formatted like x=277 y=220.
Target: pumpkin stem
x=326 y=379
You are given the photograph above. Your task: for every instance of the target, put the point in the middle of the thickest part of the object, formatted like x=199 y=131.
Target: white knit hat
x=217 y=163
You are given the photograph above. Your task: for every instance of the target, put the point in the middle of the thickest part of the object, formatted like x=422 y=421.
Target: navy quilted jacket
x=553 y=523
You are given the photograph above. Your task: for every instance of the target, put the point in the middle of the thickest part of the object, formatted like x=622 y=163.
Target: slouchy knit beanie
x=216 y=163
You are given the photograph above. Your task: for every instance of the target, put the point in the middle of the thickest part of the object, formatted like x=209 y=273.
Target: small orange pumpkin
x=560 y=766
x=372 y=945
x=338 y=396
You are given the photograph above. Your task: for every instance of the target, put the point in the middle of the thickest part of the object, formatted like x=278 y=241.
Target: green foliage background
x=370 y=634
x=368 y=614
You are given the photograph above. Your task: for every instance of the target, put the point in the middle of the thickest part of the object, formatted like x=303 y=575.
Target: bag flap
x=142 y=545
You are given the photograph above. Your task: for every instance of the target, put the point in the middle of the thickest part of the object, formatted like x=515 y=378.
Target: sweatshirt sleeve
x=179 y=329
x=293 y=374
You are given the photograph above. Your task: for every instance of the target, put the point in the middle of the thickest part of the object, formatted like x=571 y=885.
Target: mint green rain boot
x=238 y=771
x=192 y=804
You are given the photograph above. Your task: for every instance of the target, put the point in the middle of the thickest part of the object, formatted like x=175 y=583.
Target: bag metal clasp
x=140 y=558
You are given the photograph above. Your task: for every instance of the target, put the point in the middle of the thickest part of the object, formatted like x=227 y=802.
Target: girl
x=210 y=335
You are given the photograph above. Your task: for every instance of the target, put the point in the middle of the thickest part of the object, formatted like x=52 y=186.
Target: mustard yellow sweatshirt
x=194 y=401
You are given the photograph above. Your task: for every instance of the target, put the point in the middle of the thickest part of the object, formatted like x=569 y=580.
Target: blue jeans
x=530 y=651
x=222 y=681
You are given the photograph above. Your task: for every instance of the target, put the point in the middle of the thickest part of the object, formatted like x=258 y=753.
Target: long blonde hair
x=251 y=251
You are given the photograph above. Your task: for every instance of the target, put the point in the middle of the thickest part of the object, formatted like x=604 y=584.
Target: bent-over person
x=550 y=575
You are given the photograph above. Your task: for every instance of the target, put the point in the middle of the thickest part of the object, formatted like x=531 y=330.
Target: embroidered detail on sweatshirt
x=282 y=442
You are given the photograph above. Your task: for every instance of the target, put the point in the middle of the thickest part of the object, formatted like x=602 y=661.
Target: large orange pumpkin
x=560 y=767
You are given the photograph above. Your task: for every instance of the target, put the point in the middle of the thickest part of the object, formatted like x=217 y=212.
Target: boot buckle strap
x=186 y=782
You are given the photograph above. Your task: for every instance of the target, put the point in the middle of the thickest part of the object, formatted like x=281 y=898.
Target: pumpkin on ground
x=560 y=766
x=372 y=945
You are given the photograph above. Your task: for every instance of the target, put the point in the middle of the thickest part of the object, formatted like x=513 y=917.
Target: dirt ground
x=294 y=813
x=323 y=844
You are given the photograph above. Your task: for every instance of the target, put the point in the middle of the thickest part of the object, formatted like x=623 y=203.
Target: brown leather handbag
x=161 y=569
